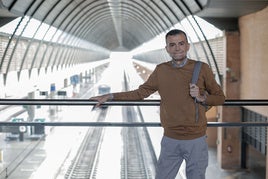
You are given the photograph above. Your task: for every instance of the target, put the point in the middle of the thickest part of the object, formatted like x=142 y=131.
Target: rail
x=246 y=102
x=128 y=124
x=230 y=102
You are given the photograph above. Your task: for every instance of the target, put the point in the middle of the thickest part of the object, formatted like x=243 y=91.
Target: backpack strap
x=197 y=68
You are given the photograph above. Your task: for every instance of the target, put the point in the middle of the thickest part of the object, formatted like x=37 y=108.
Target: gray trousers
x=195 y=153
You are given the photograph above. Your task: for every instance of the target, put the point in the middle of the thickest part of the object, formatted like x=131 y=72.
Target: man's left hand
x=195 y=93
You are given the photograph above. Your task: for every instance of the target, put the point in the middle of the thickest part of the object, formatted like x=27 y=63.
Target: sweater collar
x=182 y=64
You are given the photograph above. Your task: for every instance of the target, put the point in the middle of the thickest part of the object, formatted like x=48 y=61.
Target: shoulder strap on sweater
x=196 y=72
x=197 y=68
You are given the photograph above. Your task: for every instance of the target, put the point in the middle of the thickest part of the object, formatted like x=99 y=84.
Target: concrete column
x=211 y=115
x=229 y=145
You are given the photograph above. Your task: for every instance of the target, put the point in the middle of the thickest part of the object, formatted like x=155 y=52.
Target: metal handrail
x=129 y=124
x=229 y=102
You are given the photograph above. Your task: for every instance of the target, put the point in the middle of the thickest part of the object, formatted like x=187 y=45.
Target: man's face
x=177 y=46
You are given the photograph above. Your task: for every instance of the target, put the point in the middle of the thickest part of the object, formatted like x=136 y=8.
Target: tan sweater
x=177 y=107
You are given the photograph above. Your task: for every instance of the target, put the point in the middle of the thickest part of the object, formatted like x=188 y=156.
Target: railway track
x=136 y=163
x=136 y=160
x=85 y=162
x=139 y=159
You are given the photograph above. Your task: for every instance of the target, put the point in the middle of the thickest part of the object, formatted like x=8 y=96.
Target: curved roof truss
x=111 y=24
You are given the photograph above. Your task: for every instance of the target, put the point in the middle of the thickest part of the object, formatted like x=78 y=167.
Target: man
x=184 y=132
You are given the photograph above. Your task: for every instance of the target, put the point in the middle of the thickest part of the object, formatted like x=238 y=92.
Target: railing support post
x=243 y=155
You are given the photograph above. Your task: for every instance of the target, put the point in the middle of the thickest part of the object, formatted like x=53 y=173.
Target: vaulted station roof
x=125 y=24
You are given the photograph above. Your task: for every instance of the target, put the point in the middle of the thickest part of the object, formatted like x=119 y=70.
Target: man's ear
x=188 y=46
x=166 y=48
